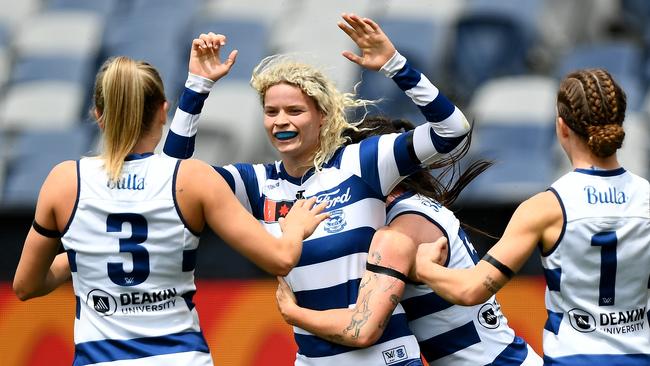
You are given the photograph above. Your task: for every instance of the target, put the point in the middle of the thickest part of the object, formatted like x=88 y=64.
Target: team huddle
x=373 y=268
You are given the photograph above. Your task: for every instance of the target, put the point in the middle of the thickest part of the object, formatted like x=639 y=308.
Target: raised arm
x=205 y=68
x=538 y=219
x=399 y=155
x=40 y=270
x=203 y=196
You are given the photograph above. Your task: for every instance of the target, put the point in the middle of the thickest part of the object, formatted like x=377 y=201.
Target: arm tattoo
x=491 y=285
x=375 y=257
x=360 y=316
x=394 y=299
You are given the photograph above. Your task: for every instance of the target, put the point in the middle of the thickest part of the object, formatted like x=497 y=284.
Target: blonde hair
x=127 y=96
x=334 y=104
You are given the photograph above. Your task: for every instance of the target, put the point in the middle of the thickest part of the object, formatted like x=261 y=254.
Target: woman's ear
x=165 y=109
x=562 y=127
x=98 y=118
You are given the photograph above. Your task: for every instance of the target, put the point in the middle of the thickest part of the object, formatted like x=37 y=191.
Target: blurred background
x=499 y=60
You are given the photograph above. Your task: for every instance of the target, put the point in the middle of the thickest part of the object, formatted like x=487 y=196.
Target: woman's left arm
x=399 y=155
x=361 y=325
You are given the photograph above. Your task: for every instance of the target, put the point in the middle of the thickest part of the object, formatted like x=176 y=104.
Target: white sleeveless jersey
x=355 y=181
x=451 y=334
x=132 y=260
x=598 y=273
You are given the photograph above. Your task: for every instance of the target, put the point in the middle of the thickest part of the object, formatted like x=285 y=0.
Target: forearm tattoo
x=360 y=316
x=491 y=285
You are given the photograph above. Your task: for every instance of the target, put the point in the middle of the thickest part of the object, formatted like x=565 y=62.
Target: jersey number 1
x=607 y=242
x=140 y=256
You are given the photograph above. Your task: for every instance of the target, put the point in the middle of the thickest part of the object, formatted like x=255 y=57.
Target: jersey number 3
x=140 y=271
x=607 y=242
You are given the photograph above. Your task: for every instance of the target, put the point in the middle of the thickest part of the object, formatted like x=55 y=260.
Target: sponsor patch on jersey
x=582 y=321
x=102 y=302
x=274 y=210
x=489 y=316
x=336 y=222
x=394 y=355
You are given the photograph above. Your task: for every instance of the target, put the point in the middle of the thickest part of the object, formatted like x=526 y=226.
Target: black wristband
x=386 y=271
x=500 y=266
x=46 y=232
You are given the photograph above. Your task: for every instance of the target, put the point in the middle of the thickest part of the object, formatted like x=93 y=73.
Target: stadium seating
x=623 y=59
x=50 y=51
x=231 y=127
x=46 y=105
x=34 y=154
x=513 y=126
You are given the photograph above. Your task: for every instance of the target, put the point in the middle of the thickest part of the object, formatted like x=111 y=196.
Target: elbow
x=471 y=297
x=367 y=339
x=22 y=292
x=283 y=266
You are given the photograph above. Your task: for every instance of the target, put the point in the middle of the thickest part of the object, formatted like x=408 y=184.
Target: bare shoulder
x=392 y=244
x=542 y=209
x=62 y=178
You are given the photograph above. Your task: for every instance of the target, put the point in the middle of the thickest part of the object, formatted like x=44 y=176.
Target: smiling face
x=292 y=122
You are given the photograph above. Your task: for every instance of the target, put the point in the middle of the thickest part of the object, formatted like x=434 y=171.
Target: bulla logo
x=129 y=181
x=611 y=195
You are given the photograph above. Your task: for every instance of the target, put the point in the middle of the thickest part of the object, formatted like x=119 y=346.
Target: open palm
x=205 y=59
x=376 y=48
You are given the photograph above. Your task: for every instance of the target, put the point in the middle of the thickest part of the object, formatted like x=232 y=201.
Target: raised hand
x=376 y=48
x=205 y=60
x=305 y=214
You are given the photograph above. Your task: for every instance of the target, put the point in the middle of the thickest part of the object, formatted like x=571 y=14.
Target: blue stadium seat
x=75 y=69
x=623 y=59
x=35 y=153
x=153 y=31
x=487 y=44
x=103 y=7
x=514 y=127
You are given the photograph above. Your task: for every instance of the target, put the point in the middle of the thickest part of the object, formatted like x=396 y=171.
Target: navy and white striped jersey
x=132 y=263
x=451 y=334
x=598 y=272
x=355 y=182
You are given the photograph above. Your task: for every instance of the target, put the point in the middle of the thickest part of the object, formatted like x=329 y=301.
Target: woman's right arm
x=204 y=197
x=205 y=68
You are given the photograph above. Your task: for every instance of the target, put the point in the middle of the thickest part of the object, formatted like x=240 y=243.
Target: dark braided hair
x=593 y=105
x=443 y=188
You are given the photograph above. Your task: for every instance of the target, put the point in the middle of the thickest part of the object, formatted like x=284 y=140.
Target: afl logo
x=488 y=316
x=102 y=302
x=336 y=221
x=582 y=321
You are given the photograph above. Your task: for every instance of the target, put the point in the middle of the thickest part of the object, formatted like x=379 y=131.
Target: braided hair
x=593 y=105
x=443 y=187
